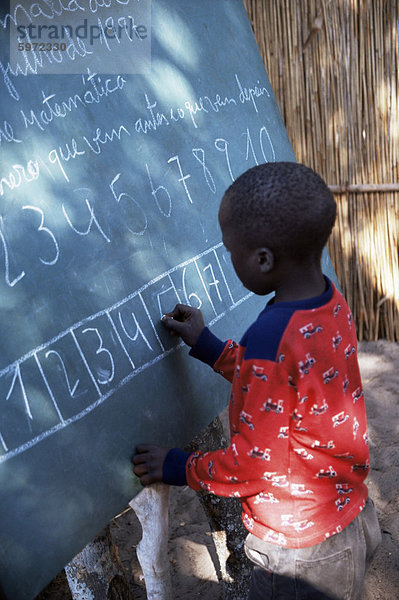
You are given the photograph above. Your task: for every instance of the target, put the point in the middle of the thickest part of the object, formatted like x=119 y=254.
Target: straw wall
x=333 y=66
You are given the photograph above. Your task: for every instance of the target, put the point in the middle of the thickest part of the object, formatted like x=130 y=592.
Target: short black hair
x=285 y=206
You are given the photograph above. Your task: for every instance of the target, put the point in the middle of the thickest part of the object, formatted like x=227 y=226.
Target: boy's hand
x=148 y=462
x=186 y=322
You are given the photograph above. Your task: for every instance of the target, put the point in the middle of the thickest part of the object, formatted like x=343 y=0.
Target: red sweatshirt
x=299 y=455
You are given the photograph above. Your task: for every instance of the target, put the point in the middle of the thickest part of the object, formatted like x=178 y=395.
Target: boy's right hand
x=186 y=322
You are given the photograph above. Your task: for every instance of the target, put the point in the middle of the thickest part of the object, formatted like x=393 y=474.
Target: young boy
x=298 y=455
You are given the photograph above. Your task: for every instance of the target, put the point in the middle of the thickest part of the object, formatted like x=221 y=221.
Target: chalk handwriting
x=271 y=155
x=34 y=61
x=190 y=108
x=47 y=231
x=155 y=191
x=72 y=389
x=142 y=226
x=222 y=145
x=182 y=179
x=17 y=377
x=20 y=174
x=109 y=373
x=9 y=282
x=56 y=109
x=136 y=216
x=137 y=333
x=252 y=93
x=93 y=219
x=99 y=89
x=7 y=133
x=76 y=147
x=35 y=10
x=123 y=334
x=199 y=155
x=250 y=147
x=128 y=339
x=189 y=297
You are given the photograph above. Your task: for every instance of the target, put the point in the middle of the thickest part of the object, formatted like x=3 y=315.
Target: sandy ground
x=192 y=554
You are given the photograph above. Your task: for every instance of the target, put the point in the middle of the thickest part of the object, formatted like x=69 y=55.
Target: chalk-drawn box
x=67 y=377
x=28 y=410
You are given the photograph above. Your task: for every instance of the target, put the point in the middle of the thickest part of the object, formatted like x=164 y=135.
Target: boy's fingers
x=173 y=325
x=140 y=448
x=148 y=480
x=148 y=463
x=148 y=474
x=140 y=470
x=139 y=459
x=141 y=451
x=179 y=312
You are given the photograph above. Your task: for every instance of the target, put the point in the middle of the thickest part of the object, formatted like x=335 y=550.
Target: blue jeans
x=332 y=570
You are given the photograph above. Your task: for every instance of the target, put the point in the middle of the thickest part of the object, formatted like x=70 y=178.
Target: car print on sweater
x=299 y=454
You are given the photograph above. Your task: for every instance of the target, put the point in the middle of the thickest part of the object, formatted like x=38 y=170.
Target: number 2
x=6 y=260
x=71 y=390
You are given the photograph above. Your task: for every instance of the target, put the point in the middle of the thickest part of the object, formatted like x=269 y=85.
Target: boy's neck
x=300 y=282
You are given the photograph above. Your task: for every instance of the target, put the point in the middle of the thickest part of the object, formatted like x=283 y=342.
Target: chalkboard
x=116 y=147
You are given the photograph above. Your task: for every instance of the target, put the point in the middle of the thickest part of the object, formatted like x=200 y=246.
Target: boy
x=298 y=455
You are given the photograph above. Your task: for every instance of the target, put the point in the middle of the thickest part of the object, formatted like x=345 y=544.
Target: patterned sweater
x=298 y=455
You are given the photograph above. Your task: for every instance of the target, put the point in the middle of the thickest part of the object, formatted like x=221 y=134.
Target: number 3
x=46 y=230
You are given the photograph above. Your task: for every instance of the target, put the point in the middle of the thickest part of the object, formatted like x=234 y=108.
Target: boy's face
x=252 y=266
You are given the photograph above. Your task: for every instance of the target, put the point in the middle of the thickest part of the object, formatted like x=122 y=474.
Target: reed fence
x=333 y=66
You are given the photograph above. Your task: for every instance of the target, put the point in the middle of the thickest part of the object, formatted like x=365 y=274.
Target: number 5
x=6 y=261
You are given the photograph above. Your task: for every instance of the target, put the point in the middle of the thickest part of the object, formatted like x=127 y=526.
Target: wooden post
x=96 y=574
x=151 y=506
x=224 y=517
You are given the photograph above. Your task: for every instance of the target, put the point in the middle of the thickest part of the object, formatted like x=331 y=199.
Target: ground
x=191 y=551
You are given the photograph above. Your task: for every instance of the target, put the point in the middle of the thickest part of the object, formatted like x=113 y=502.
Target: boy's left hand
x=148 y=462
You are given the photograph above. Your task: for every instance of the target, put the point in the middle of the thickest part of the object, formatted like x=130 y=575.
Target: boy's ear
x=265 y=258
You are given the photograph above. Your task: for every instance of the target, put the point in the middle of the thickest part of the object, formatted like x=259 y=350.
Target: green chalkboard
x=116 y=147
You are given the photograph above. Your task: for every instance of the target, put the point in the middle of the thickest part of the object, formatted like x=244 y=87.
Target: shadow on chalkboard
x=120 y=226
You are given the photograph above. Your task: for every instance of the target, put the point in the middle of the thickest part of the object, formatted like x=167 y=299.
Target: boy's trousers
x=332 y=570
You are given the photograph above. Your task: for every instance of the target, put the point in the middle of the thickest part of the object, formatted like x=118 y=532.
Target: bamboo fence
x=333 y=66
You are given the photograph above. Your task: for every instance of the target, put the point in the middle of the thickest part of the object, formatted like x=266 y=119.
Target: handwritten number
x=155 y=191
x=139 y=331
x=6 y=260
x=93 y=219
x=183 y=178
x=71 y=390
x=250 y=147
x=222 y=145
x=102 y=350
x=48 y=232
x=263 y=131
x=119 y=197
x=215 y=282
x=17 y=375
x=187 y=296
x=199 y=155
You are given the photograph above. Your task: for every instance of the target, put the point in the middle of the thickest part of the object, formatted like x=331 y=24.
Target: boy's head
x=284 y=208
